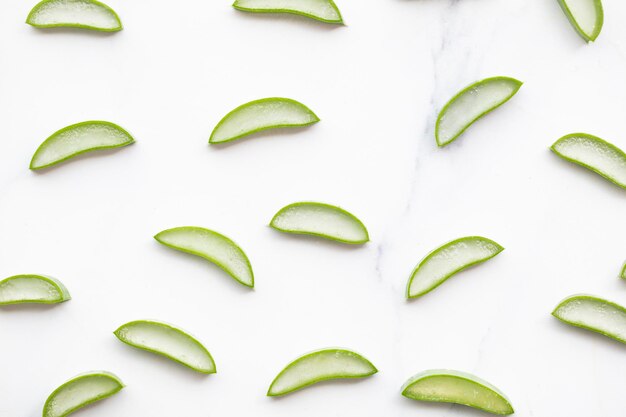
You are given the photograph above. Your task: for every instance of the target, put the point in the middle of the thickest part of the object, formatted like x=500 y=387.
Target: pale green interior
x=78 y=392
x=83 y=12
x=585 y=14
x=28 y=289
x=323 y=220
x=322 y=9
x=595 y=314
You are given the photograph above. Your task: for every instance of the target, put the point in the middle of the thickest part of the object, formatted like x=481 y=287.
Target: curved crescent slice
x=622 y=274
x=595 y=314
x=323 y=220
x=457 y=387
x=259 y=115
x=322 y=10
x=212 y=246
x=84 y=14
x=587 y=17
x=595 y=154
x=80 y=391
x=321 y=365
x=169 y=341
x=472 y=103
x=39 y=289
x=77 y=139
x=447 y=260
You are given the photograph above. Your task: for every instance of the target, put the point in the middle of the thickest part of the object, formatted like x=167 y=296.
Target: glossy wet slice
x=586 y=16
x=32 y=289
x=84 y=14
x=322 y=10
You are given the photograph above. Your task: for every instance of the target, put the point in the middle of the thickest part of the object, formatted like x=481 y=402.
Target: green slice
x=622 y=274
x=595 y=154
x=586 y=16
x=169 y=341
x=38 y=289
x=321 y=365
x=80 y=391
x=472 y=103
x=447 y=260
x=323 y=220
x=322 y=10
x=595 y=314
x=456 y=387
x=77 y=139
x=212 y=246
x=84 y=14
x=259 y=115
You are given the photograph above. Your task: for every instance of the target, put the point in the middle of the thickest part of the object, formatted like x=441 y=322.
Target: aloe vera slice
x=212 y=246
x=38 y=289
x=77 y=139
x=84 y=14
x=472 y=103
x=595 y=314
x=459 y=388
x=447 y=260
x=80 y=391
x=322 y=10
x=321 y=365
x=595 y=154
x=622 y=274
x=323 y=220
x=587 y=17
x=259 y=115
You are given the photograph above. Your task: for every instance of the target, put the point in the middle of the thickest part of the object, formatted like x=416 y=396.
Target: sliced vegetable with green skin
x=212 y=246
x=77 y=139
x=595 y=314
x=472 y=103
x=35 y=289
x=457 y=387
x=322 y=10
x=622 y=274
x=321 y=365
x=586 y=16
x=83 y=14
x=80 y=391
x=595 y=154
x=260 y=115
x=447 y=260
x=323 y=220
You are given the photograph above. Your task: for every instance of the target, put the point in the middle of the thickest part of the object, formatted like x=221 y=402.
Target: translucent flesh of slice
x=81 y=391
x=74 y=13
x=594 y=314
x=32 y=289
x=168 y=341
x=324 y=10
x=212 y=246
x=623 y=273
x=585 y=15
x=320 y=366
x=449 y=259
x=262 y=115
x=459 y=388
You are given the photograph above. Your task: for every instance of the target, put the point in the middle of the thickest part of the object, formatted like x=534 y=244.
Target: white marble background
x=377 y=83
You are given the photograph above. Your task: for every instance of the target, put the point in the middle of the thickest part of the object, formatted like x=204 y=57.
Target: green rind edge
x=622 y=274
x=574 y=23
x=64 y=294
x=295 y=12
x=76 y=25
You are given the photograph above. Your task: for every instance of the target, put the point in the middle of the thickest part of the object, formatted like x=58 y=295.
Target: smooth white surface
x=377 y=84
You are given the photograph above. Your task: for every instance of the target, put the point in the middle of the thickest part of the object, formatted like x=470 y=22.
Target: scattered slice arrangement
x=323 y=220
x=586 y=16
x=471 y=104
x=459 y=388
x=80 y=391
x=322 y=10
x=259 y=115
x=212 y=246
x=595 y=314
x=37 y=289
x=321 y=365
x=84 y=14
x=169 y=341
x=595 y=154
x=447 y=260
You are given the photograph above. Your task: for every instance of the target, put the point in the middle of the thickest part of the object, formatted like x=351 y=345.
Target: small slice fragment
x=84 y=14
x=595 y=154
x=212 y=246
x=259 y=115
x=622 y=274
x=323 y=220
x=586 y=16
x=447 y=260
x=321 y=365
x=472 y=103
x=456 y=387
x=322 y=10
x=37 y=289
x=595 y=314
x=78 y=139
x=80 y=391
